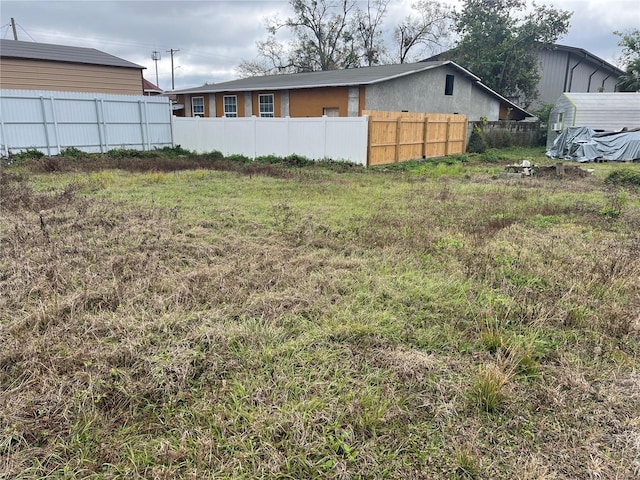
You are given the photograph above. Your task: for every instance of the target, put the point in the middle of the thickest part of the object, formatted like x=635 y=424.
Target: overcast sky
x=212 y=36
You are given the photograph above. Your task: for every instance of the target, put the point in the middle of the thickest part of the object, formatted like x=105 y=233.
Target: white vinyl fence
x=92 y=122
x=336 y=138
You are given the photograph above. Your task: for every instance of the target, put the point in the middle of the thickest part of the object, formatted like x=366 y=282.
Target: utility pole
x=13 y=27
x=172 y=51
x=155 y=56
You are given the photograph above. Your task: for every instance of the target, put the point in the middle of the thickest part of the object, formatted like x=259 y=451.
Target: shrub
x=491 y=156
x=624 y=177
x=499 y=139
x=297 y=160
x=26 y=155
x=238 y=158
x=72 y=152
x=173 y=151
x=477 y=142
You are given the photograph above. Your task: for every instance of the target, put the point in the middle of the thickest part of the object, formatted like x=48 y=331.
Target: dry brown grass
x=291 y=336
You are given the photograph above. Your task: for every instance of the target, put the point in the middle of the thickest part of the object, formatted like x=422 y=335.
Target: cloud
x=214 y=36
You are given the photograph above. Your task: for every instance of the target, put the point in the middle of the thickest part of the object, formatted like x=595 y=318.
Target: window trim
x=273 y=105
x=193 y=107
x=235 y=105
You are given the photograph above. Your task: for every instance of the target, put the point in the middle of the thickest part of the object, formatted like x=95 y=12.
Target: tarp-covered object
x=584 y=144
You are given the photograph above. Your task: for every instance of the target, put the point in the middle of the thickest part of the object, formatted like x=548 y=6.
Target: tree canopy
x=333 y=34
x=500 y=41
x=630 y=43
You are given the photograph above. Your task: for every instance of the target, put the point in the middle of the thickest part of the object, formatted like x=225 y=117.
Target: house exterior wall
x=562 y=71
x=27 y=74
x=219 y=111
x=310 y=102
x=277 y=103
x=425 y=92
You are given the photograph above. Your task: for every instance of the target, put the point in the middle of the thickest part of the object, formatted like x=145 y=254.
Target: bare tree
x=368 y=30
x=322 y=40
x=274 y=57
x=423 y=31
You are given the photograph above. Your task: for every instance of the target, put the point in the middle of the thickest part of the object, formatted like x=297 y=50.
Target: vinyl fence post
x=44 y=123
x=55 y=125
x=324 y=141
x=146 y=123
x=5 y=141
x=104 y=126
x=95 y=102
x=141 y=124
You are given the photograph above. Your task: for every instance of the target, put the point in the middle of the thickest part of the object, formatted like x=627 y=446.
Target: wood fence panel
x=400 y=136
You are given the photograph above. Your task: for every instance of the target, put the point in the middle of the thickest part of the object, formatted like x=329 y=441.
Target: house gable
x=427 y=92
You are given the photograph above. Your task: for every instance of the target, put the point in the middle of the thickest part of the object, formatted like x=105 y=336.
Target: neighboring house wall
x=312 y=102
x=567 y=71
x=219 y=102
x=255 y=96
x=425 y=92
x=26 y=74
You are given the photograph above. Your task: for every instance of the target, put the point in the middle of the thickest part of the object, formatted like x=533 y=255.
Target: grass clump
x=487 y=390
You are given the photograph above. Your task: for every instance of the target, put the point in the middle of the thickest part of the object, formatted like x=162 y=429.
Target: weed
x=617 y=200
x=487 y=390
x=467 y=464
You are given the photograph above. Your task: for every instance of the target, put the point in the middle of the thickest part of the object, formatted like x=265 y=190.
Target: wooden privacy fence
x=399 y=136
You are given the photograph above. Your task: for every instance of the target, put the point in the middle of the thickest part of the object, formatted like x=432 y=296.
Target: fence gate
x=399 y=136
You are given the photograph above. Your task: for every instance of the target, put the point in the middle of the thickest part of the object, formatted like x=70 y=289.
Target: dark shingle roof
x=329 y=78
x=60 y=53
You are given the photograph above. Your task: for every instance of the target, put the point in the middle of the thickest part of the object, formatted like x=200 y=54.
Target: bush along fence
x=506 y=133
x=399 y=136
x=92 y=122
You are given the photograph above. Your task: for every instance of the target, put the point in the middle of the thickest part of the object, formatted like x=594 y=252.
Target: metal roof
x=60 y=53
x=328 y=78
x=586 y=54
x=614 y=102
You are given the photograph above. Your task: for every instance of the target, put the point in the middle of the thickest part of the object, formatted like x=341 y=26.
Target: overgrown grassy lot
x=199 y=317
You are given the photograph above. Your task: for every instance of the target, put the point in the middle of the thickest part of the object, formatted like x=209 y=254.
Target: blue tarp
x=583 y=144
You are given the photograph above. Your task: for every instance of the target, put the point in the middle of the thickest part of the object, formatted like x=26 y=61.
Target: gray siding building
x=568 y=69
x=564 y=69
x=600 y=111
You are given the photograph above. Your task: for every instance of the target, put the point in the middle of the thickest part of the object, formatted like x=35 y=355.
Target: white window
x=265 y=103
x=230 y=106
x=197 y=106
